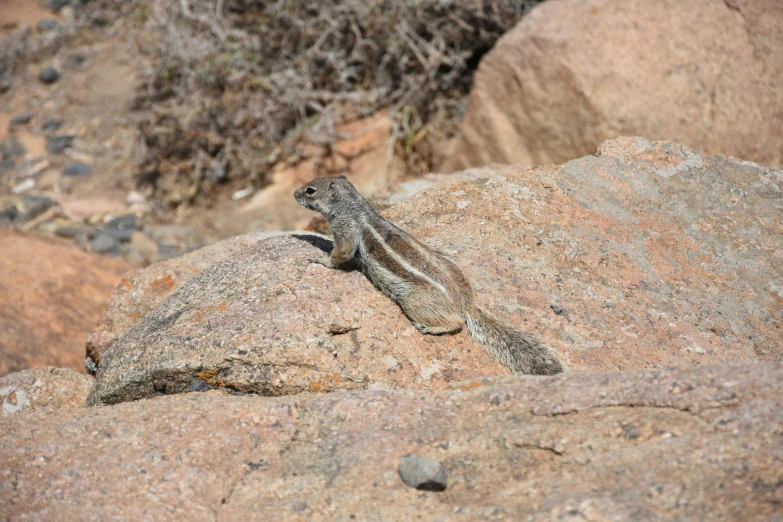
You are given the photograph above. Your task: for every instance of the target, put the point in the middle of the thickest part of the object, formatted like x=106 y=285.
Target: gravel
x=48 y=24
x=8 y=215
x=103 y=244
x=198 y=385
x=49 y=74
x=20 y=119
x=57 y=5
x=126 y=222
x=57 y=144
x=77 y=169
x=34 y=207
x=11 y=147
x=51 y=124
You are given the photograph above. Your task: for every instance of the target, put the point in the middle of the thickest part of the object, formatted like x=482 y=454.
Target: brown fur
x=431 y=289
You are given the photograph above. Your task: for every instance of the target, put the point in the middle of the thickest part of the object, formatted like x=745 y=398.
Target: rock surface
x=52 y=296
x=143 y=289
x=574 y=73
x=658 y=255
x=646 y=270
x=266 y=321
x=422 y=473
x=691 y=445
x=42 y=388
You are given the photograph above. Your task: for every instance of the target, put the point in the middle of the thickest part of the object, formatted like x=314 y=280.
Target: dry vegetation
x=240 y=85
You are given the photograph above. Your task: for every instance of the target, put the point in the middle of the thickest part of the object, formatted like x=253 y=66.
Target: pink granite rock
x=692 y=445
x=43 y=388
x=647 y=255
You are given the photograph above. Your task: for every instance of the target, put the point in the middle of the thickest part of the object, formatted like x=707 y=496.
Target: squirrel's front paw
x=321 y=261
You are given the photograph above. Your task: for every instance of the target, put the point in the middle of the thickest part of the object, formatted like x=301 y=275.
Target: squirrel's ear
x=333 y=191
x=342 y=176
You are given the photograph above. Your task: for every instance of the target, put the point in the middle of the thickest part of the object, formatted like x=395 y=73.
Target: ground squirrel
x=431 y=290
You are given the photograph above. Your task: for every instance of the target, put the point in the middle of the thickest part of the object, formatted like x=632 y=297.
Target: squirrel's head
x=328 y=195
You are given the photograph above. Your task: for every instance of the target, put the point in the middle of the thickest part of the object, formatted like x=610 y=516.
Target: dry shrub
x=241 y=85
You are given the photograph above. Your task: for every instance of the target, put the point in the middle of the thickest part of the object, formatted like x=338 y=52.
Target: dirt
x=93 y=100
x=14 y=13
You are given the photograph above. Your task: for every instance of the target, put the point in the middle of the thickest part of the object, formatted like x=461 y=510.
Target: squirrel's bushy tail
x=517 y=350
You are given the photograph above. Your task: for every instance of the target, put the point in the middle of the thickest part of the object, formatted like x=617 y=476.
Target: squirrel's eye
x=309 y=191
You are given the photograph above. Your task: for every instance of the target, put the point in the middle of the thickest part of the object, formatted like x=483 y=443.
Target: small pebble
x=126 y=222
x=51 y=124
x=103 y=244
x=135 y=198
x=24 y=186
x=77 y=169
x=57 y=144
x=216 y=172
x=57 y=5
x=422 y=473
x=49 y=74
x=76 y=59
x=34 y=207
x=6 y=165
x=8 y=215
x=241 y=194
x=5 y=81
x=47 y=24
x=557 y=309
x=118 y=235
x=68 y=231
x=20 y=119
x=11 y=147
x=198 y=385
x=90 y=365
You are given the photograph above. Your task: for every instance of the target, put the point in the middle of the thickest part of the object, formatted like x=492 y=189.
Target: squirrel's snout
x=299 y=197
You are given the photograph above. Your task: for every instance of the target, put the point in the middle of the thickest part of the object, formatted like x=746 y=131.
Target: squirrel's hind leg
x=430 y=315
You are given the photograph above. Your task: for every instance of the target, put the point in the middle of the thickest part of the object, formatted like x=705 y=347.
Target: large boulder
x=52 y=294
x=690 y=445
x=43 y=388
x=143 y=289
x=574 y=73
x=648 y=255
x=265 y=321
